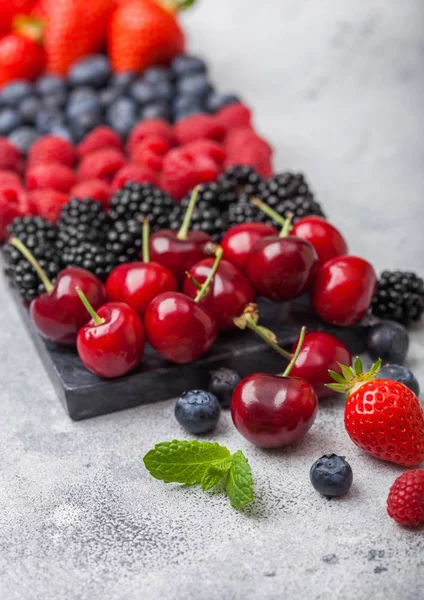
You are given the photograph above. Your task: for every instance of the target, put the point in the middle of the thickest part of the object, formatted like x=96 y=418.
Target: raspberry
x=10 y=157
x=240 y=137
x=9 y=178
x=208 y=148
x=48 y=203
x=150 y=127
x=182 y=171
x=9 y=210
x=52 y=175
x=133 y=173
x=405 y=503
x=98 y=139
x=234 y=115
x=102 y=164
x=198 y=127
x=92 y=188
x=245 y=147
x=51 y=148
x=150 y=152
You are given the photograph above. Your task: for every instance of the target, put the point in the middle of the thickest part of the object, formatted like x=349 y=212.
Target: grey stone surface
x=338 y=87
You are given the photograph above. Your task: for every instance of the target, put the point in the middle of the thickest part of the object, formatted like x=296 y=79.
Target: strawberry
x=20 y=58
x=101 y=137
x=8 y=11
x=48 y=203
x=405 y=503
x=383 y=417
x=143 y=33
x=52 y=148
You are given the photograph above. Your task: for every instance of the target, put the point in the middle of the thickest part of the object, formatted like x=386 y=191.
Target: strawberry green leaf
x=357 y=366
x=336 y=376
x=348 y=372
x=239 y=484
x=337 y=387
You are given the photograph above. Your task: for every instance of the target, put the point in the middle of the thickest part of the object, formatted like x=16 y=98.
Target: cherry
x=112 y=343
x=238 y=241
x=324 y=237
x=178 y=251
x=58 y=314
x=343 y=290
x=138 y=283
x=228 y=293
x=177 y=327
x=271 y=411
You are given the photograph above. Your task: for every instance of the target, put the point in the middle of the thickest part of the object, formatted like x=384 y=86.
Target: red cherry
x=324 y=237
x=239 y=240
x=58 y=314
x=112 y=343
x=138 y=283
x=228 y=293
x=343 y=290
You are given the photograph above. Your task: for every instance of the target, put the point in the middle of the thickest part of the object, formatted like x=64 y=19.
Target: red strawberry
x=150 y=152
x=8 y=11
x=133 y=173
x=11 y=158
x=182 y=171
x=383 y=417
x=143 y=33
x=101 y=137
x=103 y=164
x=405 y=503
x=52 y=175
x=233 y=116
x=92 y=188
x=20 y=58
x=208 y=148
x=148 y=128
x=48 y=203
x=51 y=148
x=198 y=127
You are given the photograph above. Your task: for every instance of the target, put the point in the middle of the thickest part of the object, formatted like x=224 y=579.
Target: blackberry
x=82 y=221
x=136 y=199
x=206 y=217
x=243 y=211
x=399 y=297
x=124 y=240
x=241 y=178
x=89 y=256
x=31 y=230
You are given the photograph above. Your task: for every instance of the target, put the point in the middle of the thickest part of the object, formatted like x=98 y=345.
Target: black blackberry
x=399 y=297
x=124 y=240
x=31 y=230
x=89 y=256
x=206 y=217
x=241 y=178
x=243 y=211
x=142 y=199
x=82 y=221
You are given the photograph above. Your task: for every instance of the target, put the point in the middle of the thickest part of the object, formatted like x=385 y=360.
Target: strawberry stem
x=185 y=226
x=33 y=262
x=296 y=353
x=97 y=320
x=203 y=290
x=145 y=242
x=29 y=27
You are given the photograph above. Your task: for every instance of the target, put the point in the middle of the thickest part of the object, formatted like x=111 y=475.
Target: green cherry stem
x=266 y=335
x=287 y=227
x=193 y=280
x=203 y=290
x=145 y=240
x=297 y=352
x=97 y=320
x=270 y=212
x=185 y=226
x=33 y=262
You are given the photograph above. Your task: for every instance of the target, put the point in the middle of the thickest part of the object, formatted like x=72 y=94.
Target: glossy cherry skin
x=324 y=237
x=138 y=283
x=272 y=411
x=228 y=294
x=178 y=328
x=343 y=290
x=60 y=314
x=281 y=269
x=178 y=255
x=239 y=240
x=320 y=352
x=115 y=347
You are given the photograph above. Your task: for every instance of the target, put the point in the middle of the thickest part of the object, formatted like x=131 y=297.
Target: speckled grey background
x=338 y=87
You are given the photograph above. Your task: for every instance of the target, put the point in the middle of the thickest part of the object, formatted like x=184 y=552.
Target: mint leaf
x=215 y=474
x=239 y=484
x=184 y=461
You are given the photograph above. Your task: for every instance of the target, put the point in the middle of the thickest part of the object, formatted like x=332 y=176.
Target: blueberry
x=197 y=411
x=185 y=65
x=157 y=74
x=215 y=101
x=109 y=95
x=81 y=100
x=15 y=92
x=389 y=341
x=64 y=132
x=157 y=110
x=9 y=120
x=122 y=80
x=194 y=85
x=29 y=108
x=50 y=85
x=223 y=383
x=91 y=70
x=182 y=103
x=188 y=112
x=23 y=138
x=146 y=93
x=401 y=374
x=47 y=118
x=122 y=116
x=57 y=100
x=331 y=475
x=84 y=122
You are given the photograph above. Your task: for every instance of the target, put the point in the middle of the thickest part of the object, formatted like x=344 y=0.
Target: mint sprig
x=205 y=463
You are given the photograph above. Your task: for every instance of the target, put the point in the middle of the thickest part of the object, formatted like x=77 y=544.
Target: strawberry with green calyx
x=382 y=417
x=21 y=53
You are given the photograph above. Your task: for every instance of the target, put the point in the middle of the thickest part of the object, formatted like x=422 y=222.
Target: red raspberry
x=92 y=188
x=98 y=139
x=48 y=203
x=234 y=115
x=133 y=173
x=51 y=148
x=198 y=127
x=9 y=210
x=182 y=171
x=102 y=164
x=237 y=139
x=405 y=503
x=52 y=175
x=148 y=128
x=150 y=152
x=10 y=157
x=209 y=148
x=9 y=178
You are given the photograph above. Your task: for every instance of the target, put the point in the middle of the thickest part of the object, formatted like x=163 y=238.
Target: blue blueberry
x=216 y=101
x=84 y=122
x=15 y=92
x=146 y=93
x=222 y=384
x=81 y=100
x=50 y=85
x=194 y=85
x=23 y=138
x=198 y=411
x=401 y=374
x=188 y=112
x=331 y=475
x=389 y=341
x=109 y=95
x=91 y=70
x=9 y=120
x=187 y=65
x=28 y=109
x=157 y=74
x=122 y=116
x=64 y=132
x=157 y=110
x=56 y=100
x=122 y=80
x=47 y=118
x=182 y=103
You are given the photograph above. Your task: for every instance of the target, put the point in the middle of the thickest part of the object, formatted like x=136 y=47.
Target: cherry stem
x=193 y=280
x=146 y=233
x=265 y=334
x=185 y=226
x=203 y=290
x=296 y=353
x=268 y=211
x=33 y=262
x=287 y=227
x=97 y=320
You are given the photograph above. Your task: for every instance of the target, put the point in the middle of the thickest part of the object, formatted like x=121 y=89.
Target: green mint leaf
x=239 y=484
x=184 y=461
x=215 y=474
